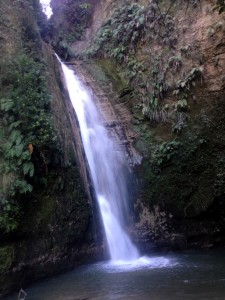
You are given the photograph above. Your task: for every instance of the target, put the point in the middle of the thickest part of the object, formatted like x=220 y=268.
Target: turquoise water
x=194 y=275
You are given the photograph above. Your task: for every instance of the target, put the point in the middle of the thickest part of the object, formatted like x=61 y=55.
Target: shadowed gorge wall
x=46 y=221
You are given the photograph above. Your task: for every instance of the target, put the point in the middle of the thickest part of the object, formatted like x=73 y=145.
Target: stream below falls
x=188 y=275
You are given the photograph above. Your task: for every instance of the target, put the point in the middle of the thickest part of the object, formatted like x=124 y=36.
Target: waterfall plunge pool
x=180 y=276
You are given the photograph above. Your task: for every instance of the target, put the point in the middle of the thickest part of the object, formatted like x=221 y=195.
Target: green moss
x=97 y=72
x=114 y=73
x=185 y=179
x=106 y=73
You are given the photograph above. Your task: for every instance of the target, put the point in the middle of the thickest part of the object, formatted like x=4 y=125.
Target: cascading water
x=46 y=7
x=106 y=167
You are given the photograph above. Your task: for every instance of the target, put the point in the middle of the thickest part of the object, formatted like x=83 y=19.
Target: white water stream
x=106 y=167
x=46 y=7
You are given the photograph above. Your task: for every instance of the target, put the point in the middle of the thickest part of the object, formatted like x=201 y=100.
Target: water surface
x=196 y=275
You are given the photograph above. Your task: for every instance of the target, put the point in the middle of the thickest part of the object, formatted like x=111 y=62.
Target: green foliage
x=180 y=105
x=182 y=93
x=155 y=88
x=165 y=152
x=25 y=109
x=78 y=15
x=27 y=127
x=142 y=41
x=189 y=79
x=9 y=215
x=122 y=35
x=220 y=6
x=64 y=49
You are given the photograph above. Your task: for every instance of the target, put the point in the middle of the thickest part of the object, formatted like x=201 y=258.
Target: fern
x=6 y=104
x=28 y=168
x=15 y=125
x=19 y=150
x=25 y=155
x=15 y=137
x=22 y=187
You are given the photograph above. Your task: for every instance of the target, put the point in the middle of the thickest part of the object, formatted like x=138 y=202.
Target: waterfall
x=106 y=167
x=46 y=7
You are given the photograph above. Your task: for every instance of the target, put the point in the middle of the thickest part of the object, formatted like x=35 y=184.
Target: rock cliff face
x=167 y=66
x=89 y=18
